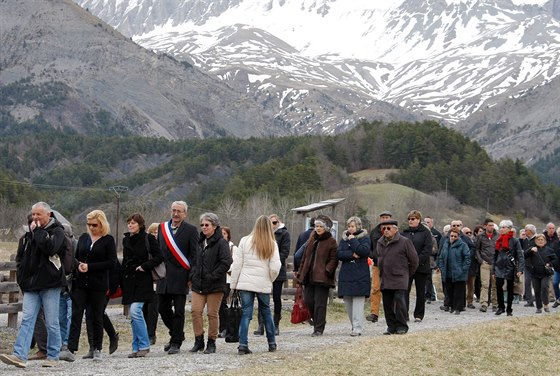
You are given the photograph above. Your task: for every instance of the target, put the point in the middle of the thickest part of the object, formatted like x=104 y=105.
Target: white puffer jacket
x=249 y=273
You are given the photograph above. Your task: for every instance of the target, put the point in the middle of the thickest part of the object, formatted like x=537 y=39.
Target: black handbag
x=233 y=319
x=548 y=270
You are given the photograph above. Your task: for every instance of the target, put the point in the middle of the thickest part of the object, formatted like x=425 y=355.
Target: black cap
x=389 y=223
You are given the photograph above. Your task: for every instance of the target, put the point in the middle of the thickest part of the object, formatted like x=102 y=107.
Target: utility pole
x=118 y=189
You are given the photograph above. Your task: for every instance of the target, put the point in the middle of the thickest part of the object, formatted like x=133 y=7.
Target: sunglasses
x=412 y=219
x=468 y=233
x=205 y=225
x=93 y=224
x=274 y=222
x=386 y=228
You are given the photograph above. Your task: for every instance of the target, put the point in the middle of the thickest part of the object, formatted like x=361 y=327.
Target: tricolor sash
x=173 y=246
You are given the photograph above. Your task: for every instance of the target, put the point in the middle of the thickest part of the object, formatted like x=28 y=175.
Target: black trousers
x=150 y=311
x=456 y=292
x=500 y=293
x=95 y=302
x=277 y=296
x=223 y=308
x=172 y=311
x=540 y=285
x=394 y=305
x=107 y=324
x=420 y=284
x=316 y=298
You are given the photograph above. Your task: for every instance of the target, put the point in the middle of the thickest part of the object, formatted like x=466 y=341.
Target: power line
x=52 y=186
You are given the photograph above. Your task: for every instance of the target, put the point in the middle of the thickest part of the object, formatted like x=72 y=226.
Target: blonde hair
x=263 y=238
x=100 y=216
x=153 y=229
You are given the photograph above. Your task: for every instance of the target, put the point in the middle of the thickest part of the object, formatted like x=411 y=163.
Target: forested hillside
x=78 y=170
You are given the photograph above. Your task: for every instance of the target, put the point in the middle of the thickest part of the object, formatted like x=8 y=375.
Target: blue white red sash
x=173 y=246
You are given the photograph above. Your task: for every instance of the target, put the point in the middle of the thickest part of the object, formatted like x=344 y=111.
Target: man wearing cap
x=397 y=260
x=375 y=296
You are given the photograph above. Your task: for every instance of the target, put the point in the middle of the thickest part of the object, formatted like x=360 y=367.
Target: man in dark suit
x=178 y=241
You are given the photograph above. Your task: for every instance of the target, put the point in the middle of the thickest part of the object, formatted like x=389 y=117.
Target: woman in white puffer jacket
x=256 y=265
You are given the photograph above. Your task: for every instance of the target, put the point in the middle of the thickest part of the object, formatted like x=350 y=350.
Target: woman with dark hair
x=354 y=280
x=256 y=265
x=141 y=254
x=208 y=280
x=537 y=258
x=96 y=255
x=453 y=262
x=317 y=271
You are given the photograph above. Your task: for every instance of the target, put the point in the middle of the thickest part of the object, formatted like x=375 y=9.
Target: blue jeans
x=247 y=302
x=32 y=302
x=556 y=284
x=64 y=316
x=140 y=339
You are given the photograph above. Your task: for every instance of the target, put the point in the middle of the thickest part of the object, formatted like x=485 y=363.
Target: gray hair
x=506 y=223
x=357 y=221
x=46 y=207
x=210 y=217
x=182 y=203
x=531 y=228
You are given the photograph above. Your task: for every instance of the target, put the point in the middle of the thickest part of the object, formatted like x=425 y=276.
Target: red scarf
x=502 y=244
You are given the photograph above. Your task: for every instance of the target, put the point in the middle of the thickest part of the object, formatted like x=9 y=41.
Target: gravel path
x=292 y=339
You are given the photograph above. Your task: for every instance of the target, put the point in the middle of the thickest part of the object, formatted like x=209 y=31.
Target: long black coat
x=176 y=277
x=503 y=267
x=138 y=286
x=101 y=259
x=211 y=264
x=354 y=278
x=422 y=239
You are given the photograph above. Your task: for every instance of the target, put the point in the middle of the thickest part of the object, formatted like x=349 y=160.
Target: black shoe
x=259 y=331
x=243 y=350
x=509 y=313
x=500 y=311
x=199 y=344
x=428 y=301
x=372 y=317
x=153 y=340
x=272 y=347
x=222 y=334
x=388 y=333
x=483 y=308
x=402 y=331
x=210 y=346
x=316 y=334
x=471 y=306
x=113 y=343
x=556 y=303
x=444 y=308
x=457 y=312
x=174 y=349
x=451 y=311
x=528 y=305
x=167 y=347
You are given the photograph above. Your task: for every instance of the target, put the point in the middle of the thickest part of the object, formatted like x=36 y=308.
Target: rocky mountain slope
x=319 y=66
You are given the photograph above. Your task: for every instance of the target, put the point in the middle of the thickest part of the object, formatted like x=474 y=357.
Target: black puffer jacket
x=210 y=264
x=421 y=237
x=35 y=270
x=503 y=267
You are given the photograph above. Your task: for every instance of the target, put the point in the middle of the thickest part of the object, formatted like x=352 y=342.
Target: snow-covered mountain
x=320 y=65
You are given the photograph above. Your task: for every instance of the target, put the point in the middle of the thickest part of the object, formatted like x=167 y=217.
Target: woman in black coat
x=421 y=237
x=354 y=280
x=536 y=258
x=96 y=255
x=141 y=254
x=208 y=280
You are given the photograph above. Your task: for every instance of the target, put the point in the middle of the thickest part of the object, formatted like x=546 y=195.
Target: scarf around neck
x=503 y=241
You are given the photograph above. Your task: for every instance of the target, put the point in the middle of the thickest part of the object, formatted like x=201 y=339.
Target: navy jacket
x=354 y=277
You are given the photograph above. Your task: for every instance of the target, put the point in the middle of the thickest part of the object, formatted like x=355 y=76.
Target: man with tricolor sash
x=178 y=241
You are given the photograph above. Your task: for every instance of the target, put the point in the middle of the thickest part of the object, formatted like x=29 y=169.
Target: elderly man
x=40 y=276
x=485 y=247
x=375 y=296
x=397 y=260
x=528 y=242
x=178 y=241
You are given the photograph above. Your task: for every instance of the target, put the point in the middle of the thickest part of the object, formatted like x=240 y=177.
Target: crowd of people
x=63 y=280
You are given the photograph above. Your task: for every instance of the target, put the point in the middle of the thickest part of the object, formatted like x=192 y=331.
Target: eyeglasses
x=205 y=225
x=177 y=211
x=93 y=224
x=386 y=228
x=274 y=222
x=468 y=233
